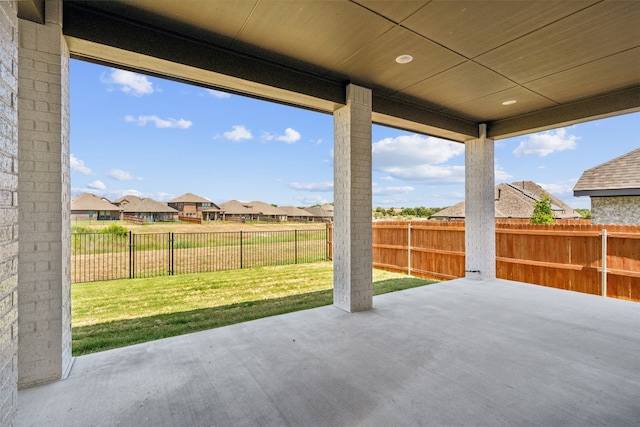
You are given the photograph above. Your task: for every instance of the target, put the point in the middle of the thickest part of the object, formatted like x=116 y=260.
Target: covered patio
x=461 y=352
x=472 y=351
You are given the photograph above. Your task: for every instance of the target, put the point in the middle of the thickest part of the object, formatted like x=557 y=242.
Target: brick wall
x=352 y=252
x=8 y=212
x=615 y=210
x=44 y=353
x=480 y=209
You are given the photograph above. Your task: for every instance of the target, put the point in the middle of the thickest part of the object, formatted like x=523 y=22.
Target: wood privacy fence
x=566 y=255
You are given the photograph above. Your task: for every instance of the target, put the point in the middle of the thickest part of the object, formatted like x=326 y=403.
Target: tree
x=542 y=212
x=584 y=213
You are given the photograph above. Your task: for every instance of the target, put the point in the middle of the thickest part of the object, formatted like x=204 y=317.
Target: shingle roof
x=91 y=202
x=263 y=208
x=234 y=207
x=515 y=200
x=189 y=198
x=147 y=205
x=319 y=212
x=294 y=211
x=128 y=199
x=620 y=176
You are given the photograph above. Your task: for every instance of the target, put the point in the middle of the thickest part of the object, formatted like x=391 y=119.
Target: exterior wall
x=44 y=353
x=8 y=212
x=480 y=236
x=352 y=251
x=615 y=210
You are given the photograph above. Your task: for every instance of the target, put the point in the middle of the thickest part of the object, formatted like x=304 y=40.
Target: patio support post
x=480 y=235
x=44 y=285
x=352 y=250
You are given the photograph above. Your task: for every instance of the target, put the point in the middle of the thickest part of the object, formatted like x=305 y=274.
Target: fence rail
x=566 y=256
x=108 y=256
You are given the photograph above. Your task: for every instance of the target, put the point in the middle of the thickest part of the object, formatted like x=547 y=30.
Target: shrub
x=80 y=229
x=118 y=230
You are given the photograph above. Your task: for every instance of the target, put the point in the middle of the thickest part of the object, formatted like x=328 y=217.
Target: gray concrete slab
x=462 y=352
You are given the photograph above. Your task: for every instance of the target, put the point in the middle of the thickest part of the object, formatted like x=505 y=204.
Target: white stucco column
x=44 y=278
x=352 y=240
x=480 y=236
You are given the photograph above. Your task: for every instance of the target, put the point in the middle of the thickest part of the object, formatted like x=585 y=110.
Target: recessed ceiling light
x=404 y=59
x=509 y=102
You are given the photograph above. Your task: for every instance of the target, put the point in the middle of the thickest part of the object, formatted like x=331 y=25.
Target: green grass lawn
x=118 y=313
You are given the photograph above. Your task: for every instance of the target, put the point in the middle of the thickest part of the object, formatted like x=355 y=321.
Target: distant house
x=192 y=206
x=295 y=214
x=320 y=214
x=267 y=212
x=148 y=209
x=234 y=210
x=515 y=200
x=614 y=188
x=89 y=207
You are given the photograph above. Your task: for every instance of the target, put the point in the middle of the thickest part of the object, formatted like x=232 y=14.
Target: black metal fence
x=109 y=256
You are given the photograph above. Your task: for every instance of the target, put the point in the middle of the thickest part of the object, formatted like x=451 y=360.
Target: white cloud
x=218 y=94
x=544 y=143
x=387 y=191
x=500 y=174
x=97 y=185
x=160 y=123
x=312 y=186
x=290 y=136
x=418 y=158
x=122 y=175
x=238 y=133
x=432 y=173
x=128 y=82
x=414 y=150
x=79 y=166
x=561 y=188
x=310 y=200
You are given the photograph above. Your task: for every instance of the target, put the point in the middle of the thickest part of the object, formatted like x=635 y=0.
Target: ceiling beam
x=600 y=107
x=103 y=38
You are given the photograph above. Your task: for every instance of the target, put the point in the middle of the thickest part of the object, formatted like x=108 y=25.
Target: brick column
x=352 y=242
x=44 y=352
x=8 y=212
x=480 y=235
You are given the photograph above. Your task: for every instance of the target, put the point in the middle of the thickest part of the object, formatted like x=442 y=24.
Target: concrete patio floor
x=462 y=352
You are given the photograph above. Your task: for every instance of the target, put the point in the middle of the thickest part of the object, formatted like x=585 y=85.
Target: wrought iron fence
x=109 y=256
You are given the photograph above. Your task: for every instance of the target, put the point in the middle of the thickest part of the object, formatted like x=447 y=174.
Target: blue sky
x=134 y=134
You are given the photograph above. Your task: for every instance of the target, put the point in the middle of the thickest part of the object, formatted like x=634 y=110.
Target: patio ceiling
x=562 y=62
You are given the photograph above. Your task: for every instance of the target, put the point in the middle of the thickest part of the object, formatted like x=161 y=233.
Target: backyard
x=117 y=313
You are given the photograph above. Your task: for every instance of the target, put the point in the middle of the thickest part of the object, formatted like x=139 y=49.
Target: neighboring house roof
x=317 y=211
x=617 y=177
x=327 y=207
x=147 y=205
x=91 y=202
x=516 y=200
x=295 y=212
x=213 y=208
x=234 y=207
x=129 y=198
x=263 y=208
x=189 y=198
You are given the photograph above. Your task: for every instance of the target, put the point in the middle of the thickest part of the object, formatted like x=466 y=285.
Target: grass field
x=118 y=313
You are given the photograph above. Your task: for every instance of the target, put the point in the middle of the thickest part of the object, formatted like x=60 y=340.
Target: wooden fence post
x=604 y=262
x=409 y=249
